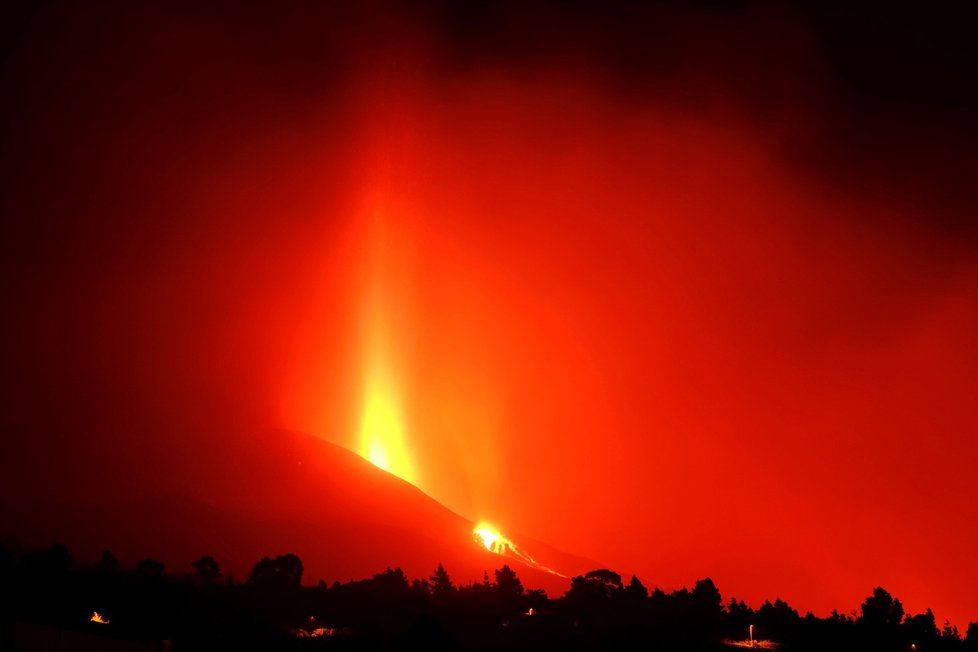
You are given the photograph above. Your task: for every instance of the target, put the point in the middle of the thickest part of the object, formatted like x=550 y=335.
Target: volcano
x=273 y=492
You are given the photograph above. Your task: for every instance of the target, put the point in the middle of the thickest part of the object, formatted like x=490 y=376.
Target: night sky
x=687 y=288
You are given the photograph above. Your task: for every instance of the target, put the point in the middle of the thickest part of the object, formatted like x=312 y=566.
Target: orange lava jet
x=494 y=541
x=381 y=437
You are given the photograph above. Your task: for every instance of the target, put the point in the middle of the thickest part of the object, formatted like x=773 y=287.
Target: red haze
x=687 y=326
x=648 y=336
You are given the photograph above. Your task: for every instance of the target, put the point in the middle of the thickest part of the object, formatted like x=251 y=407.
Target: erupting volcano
x=686 y=288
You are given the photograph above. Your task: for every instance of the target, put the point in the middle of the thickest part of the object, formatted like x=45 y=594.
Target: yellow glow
x=383 y=440
x=381 y=437
x=98 y=618
x=496 y=542
x=491 y=538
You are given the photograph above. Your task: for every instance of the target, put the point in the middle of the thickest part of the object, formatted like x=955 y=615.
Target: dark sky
x=636 y=246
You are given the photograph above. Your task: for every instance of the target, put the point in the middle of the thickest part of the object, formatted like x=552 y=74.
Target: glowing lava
x=494 y=541
x=98 y=618
x=381 y=437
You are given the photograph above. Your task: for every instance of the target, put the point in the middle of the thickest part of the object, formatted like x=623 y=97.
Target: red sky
x=694 y=298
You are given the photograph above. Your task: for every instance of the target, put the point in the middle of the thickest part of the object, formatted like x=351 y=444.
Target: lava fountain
x=382 y=437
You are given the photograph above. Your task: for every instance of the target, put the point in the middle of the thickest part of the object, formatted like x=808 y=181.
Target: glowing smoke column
x=382 y=439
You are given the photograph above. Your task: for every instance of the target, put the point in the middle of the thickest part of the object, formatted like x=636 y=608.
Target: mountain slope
x=273 y=492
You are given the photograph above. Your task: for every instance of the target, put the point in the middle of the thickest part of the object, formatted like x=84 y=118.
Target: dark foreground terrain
x=51 y=602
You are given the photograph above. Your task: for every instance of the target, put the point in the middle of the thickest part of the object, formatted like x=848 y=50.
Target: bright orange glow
x=753 y=643
x=491 y=538
x=757 y=645
x=495 y=542
x=381 y=437
x=554 y=377
x=98 y=618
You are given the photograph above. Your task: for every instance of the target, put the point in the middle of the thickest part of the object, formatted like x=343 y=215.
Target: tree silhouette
x=507 y=583
x=441 y=583
x=108 y=563
x=207 y=569
x=881 y=610
x=778 y=618
x=921 y=628
x=150 y=567
x=739 y=615
x=706 y=598
x=635 y=600
x=949 y=631
x=6 y=562
x=594 y=588
x=392 y=584
x=971 y=635
x=283 y=572
x=589 y=596
x=48 y=562
x=387 y=611
x=636 y=591
x=836 y=617
x=607 y=577
x=536 y=598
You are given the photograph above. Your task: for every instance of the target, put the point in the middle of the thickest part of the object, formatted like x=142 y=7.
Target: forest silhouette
x=146 y=607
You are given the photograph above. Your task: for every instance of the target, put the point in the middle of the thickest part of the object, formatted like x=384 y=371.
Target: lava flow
x=98 y=618
x=495 y=542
